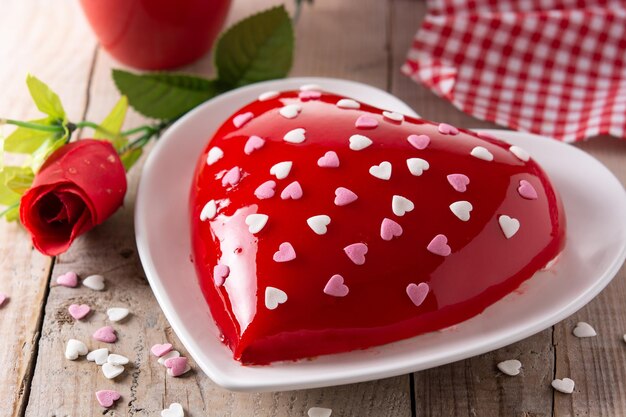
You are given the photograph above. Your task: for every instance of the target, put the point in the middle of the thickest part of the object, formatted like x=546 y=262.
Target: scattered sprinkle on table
x=174 y=410
x=69 y=279
x=94 y=282
x=319 y=412
x=565 y=385
x=583 y=330
x=510 y=367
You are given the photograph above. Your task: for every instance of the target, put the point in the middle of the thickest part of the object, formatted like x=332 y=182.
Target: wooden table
x=362 y=40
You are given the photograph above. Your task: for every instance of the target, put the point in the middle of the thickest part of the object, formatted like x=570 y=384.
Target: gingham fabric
x=552 y=67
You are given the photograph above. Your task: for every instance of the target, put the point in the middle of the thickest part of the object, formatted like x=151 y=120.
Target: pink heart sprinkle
x=160 y=350
x=329 y=160
x=285 y=253
x=343 y=196
x=439 y=246
x=220 y=273
x=527 y=190
x=366 y=122
x=417 y=292
x=419 y=141
x=293 y=191
x=232 y=177
x=459 y=182
x=336 y=287
x=79 y=311
x=356 y=252
x=106 y=398
x=105 y=334
x=252 y=144
x=309 y=95
x=265 y=190
x=242 y=119
x=390 y=229
x=446 y=129
x=178 y=366
x=69 y=279
x=3 y=298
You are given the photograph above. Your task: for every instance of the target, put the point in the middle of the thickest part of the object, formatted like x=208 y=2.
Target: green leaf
x=39 y=156
x=130 y=157
x=18 y=179
x=112 y=125
x=46 y=100
x=11 y=213
x=25 y=140
x=8 y=197
x=257 y=48
x=163 y=95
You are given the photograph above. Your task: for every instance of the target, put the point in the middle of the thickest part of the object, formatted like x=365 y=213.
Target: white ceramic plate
x=594 y=201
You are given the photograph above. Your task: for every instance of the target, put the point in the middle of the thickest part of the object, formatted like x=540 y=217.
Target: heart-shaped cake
x=323 y=225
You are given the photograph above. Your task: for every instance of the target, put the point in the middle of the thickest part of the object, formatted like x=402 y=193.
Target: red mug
x=156 y=34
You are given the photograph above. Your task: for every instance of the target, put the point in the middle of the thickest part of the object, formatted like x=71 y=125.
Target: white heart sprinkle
x=482 y=153
x=281 y=170
x=359 y=142
x=117 y=313
x=401 y=205
x=115 y=359
x=583 y=329
x=624 y=338
x=509 y=225
x=274 y=297
x=75 y=348
x=461 y=209
x=295 y=136
x=208 y=211
x=175 y=410
x=290 y=111
x=392 y=115
x=319 y=223
x=187 y=369
x=564 y=385
x=99 y=356
x=347 y=103
x=310 y=87
x=381 y=171
x=256 y=222
x=417 y=166
x=268 y=95
x=510 y=367
x=215 y=154
x=111 y=371
x=169 y=355
x=94 y=282
x=319 y=412
x=520 y=153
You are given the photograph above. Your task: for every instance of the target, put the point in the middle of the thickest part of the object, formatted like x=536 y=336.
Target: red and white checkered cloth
x=552 y=67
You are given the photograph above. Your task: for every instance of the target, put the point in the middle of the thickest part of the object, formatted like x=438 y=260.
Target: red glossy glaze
x=483 y=267
x=156 y=34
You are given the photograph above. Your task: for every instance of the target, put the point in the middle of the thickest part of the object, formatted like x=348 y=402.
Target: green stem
x=8 y=209
x=34 y=126
x=136 y=130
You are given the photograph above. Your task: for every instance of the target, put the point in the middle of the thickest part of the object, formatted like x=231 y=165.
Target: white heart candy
x=75 y=348
x=214 y=155
x=510 y=367
x=169 y=355
x=290 y=111
x=401 y=205
x=115 y=359
x=281 y=170
x=274 y=297
x=95 y=282
x=392 y=115
x=319 y=223
x=256 y=222
x=624 y=338
x=564 y=385
x=359 y=142
x=583 y=329
x=295 y=136
x=117 y=313
x=175 y=410
x=520 y=153
x=346 y=103
x=382 y=170
x=208 y=211
x=99 y=356
x=310 y=87
x=319 y=412
x=268 y=95
x=111 y=371
x=509 y=225
x=187 y=369
x=482 y=153
x=461 y=209
x=417 y=166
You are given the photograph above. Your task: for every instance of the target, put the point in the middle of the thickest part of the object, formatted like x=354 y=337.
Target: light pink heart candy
x=232 y=177
x=242 y=119
x=3 y=298
x=177 y=365
x=527 y=190
x=390 y=229
x=293 y=191
x=105 y=334
x=419 y=141
x=69 y=279
x=343 y=196
x=446 y=129
x=439 y=246
x=329 y=160
x=220 y=273
x=265 y=190
x=458 y=181
x=417 y=292
x=285 y=253
x=366 y=122
x=79 y=311
x=336 y=287
x=356 y=252
x=106 y=398
x=252 y=144
x=309 y=95
x=159 y=350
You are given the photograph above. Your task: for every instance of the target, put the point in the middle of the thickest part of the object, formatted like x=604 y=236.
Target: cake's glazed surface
x=286 y=291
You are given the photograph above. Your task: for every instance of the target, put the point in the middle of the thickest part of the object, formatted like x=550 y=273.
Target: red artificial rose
x=78 y=187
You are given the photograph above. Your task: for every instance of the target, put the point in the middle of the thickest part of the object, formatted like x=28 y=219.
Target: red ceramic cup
x=156 y=34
